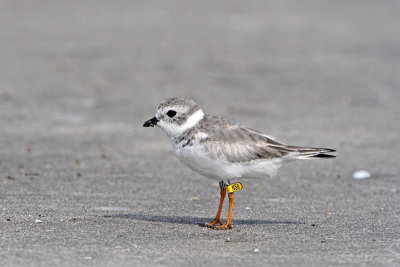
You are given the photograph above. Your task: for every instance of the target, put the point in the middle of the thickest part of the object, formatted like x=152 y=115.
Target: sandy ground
x=83 y=183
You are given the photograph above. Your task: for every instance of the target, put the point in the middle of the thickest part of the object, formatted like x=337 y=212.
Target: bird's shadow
x=193 y=220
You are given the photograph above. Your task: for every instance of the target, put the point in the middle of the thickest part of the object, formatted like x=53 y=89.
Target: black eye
x=171 y=113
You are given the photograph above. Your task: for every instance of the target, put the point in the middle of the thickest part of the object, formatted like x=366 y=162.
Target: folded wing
x=237 y=143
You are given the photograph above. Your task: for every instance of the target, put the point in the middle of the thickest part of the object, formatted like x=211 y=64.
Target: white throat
x=173 y=130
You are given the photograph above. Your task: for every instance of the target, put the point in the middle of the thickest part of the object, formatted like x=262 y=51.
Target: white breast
x=198 y=160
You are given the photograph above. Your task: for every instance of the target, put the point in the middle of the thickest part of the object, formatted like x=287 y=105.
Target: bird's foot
x=213 y=223
x=217 y=227
x=223 y=227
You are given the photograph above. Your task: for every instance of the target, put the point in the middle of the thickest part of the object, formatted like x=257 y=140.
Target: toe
x=223 y=227
x=213 y=223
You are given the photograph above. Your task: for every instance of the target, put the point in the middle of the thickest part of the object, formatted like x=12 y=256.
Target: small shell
x=361 y=174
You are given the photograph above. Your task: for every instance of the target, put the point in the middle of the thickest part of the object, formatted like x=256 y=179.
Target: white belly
x=199 y=161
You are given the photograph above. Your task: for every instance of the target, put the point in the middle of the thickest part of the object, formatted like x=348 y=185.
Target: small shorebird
x=222 y=149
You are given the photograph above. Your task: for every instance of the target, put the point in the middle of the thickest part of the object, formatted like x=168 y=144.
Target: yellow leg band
x=234 y=187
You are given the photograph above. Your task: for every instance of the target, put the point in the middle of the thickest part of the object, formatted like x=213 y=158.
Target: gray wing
x=237 y=143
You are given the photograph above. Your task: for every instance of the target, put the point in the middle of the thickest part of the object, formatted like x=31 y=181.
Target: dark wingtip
x=325 y=150
x=321 y=155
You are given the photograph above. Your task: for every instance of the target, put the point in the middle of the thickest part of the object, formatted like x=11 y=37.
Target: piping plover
x=222 y=149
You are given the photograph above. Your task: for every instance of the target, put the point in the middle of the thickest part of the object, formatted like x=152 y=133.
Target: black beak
x=150 y=123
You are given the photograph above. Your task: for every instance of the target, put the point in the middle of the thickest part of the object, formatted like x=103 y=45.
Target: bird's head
x=176 y=115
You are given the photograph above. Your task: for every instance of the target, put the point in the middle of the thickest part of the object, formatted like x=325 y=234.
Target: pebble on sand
x=361 y=174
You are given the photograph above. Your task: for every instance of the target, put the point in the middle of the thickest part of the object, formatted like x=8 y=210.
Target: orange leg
x=228 y=224
x=218 y=216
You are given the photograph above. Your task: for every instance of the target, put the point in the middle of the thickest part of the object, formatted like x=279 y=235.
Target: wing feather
x=237 y=143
